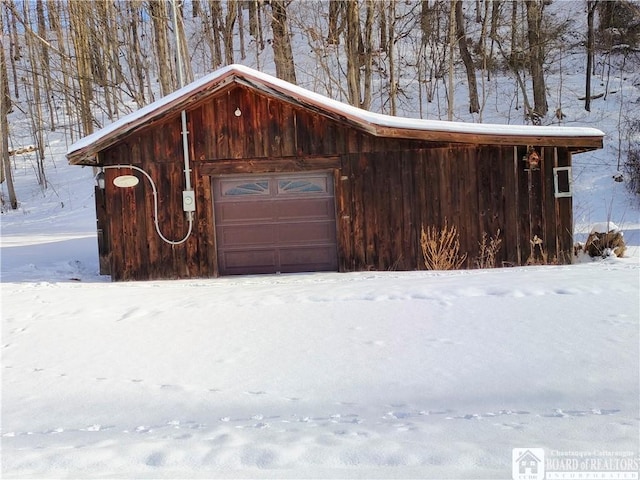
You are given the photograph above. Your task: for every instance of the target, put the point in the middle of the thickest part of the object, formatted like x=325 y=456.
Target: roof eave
x=88 y=154
x=573 y=143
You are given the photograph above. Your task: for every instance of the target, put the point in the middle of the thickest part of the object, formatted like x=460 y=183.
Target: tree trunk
x=282 y=52
x=187 y=69
x=591 y=8
x=452 y=41
x=5 y=105
x=493 y=31
x=139 y=71
x=160 y=18
x=536 y=53
x=35 y=102
x=335 y=9
x=515 y=46
x=366 y=54
x=243 y=53
x=14 y=47
x=46 y=70
x=255 y=23
x=212 y=32
x=391 y=46
x=479 y=11
x=352 y=47
x=474 y=104
x=383 y=28
x=230 y=20
x=78 y=16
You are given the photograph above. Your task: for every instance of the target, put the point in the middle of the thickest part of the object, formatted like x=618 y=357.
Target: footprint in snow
x=396 y=415
x=156 y=459
x=97 y=428
x=168 y=386
x=54 y=431
x=512 y=426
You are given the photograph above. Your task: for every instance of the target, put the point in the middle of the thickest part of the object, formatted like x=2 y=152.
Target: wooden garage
x=242 y=173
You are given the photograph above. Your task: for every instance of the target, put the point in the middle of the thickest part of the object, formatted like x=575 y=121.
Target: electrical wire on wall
x=155 y=204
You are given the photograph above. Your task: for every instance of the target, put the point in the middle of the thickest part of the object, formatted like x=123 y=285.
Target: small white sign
x=126 y=181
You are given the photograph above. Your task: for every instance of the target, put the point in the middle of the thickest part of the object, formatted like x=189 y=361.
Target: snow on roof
x=376 y=121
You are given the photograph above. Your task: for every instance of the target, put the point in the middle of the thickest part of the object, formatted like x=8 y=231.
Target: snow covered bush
x=605 y=240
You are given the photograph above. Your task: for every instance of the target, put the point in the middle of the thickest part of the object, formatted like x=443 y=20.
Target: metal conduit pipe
x=188 y=197
x=155 y=203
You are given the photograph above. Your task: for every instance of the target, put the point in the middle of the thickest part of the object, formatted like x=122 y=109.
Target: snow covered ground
x=367 y=375
x=360 y=375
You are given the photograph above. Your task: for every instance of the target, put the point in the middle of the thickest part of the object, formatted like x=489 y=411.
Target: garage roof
x=574 y=138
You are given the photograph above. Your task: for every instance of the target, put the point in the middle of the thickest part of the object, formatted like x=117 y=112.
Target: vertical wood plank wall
x=386 y=189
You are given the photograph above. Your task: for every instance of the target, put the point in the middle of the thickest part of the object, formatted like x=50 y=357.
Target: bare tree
x=591 y=10
x=433 y=56
x=5 y=105
x=44 y=55
x=138 y=66
x=14 y=44
x=282 y=52
x=158 y=10
x=182 y=44
x=536 y=55
x=211 y=26
x=390 y=43
x=79 y=15
x=229 y=22
x=33 y=95
x=452 y=42
x=255 y=22
x=353 y=44
x=336 y=25
x=474 y=104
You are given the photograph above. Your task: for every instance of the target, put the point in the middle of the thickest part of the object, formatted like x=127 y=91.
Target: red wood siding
x=385 y=188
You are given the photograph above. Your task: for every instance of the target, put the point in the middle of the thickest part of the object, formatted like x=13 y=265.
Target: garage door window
x=313 y=185
x=240 y=188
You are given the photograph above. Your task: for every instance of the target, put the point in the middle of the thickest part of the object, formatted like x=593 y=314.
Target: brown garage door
x=275 y=223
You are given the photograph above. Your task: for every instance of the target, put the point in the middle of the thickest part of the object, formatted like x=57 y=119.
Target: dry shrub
x=605 y=244
x=441 y=248
x=537 y=256
x=489 y=248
